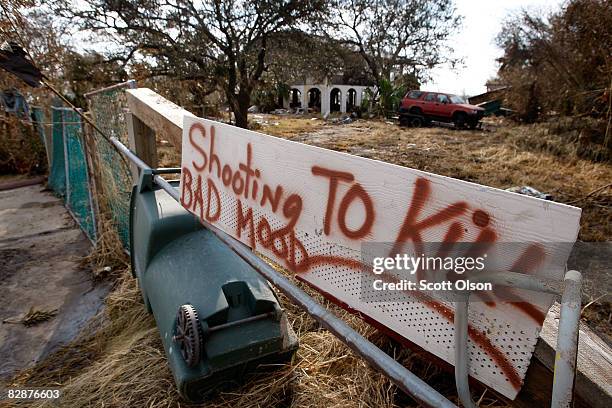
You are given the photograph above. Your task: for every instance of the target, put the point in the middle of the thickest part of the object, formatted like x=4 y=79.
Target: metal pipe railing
x=567 y=337
x=128 y=84
x=567 y=341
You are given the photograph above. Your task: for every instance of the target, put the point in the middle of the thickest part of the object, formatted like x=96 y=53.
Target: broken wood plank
x=593 y=387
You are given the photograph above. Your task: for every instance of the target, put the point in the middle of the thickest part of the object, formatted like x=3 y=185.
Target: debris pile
x=530 y=191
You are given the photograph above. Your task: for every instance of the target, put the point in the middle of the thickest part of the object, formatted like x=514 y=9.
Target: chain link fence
x=112 y=176
x=86 y=170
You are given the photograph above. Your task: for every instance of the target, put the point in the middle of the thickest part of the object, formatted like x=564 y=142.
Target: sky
x=475 y=43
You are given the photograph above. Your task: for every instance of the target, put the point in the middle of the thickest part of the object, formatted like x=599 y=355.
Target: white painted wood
x=503 y=337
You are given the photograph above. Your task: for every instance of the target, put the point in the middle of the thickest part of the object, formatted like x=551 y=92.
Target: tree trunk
x=241 y=118
x=240 y=107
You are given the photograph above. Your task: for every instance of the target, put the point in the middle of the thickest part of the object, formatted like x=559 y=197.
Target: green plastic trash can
x=218 y=318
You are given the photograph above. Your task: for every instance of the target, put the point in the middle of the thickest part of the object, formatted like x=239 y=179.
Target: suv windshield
x=456 y=99
x=414 y=94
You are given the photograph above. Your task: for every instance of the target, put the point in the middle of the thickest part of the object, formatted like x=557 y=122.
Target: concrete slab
x=40 y=251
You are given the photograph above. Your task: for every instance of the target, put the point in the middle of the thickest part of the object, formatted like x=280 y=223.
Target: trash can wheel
x=188 y=335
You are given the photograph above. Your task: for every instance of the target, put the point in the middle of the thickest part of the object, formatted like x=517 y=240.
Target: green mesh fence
x=69 y=177
x=57 y=174
x=78 y=194
x=113 y=176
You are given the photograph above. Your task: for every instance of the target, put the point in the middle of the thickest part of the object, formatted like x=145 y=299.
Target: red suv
x=421 y=106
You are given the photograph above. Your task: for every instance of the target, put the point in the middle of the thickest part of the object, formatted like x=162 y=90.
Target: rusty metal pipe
x=131 y=84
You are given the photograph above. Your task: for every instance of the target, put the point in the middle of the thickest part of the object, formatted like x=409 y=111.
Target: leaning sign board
x=311 y=210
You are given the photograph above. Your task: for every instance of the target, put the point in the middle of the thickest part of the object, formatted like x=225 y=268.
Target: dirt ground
x=40 y=252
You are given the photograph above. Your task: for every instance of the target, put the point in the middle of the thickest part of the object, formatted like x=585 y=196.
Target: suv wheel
x=416 y=121
x=460 y=119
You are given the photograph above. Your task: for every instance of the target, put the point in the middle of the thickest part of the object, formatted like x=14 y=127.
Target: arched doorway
x=351 y=99
x=365 y=96
x=295 y=98
x=335 y=98
x=314 y=99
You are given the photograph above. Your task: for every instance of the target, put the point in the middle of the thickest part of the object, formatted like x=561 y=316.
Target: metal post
x=90 y=184
x=91 y=181
x=567 y=341
x=461 y=352
x=66 y=161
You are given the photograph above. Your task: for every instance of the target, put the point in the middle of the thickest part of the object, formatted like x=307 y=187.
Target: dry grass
x=109 y=260
x=502 y=157
x=119 y=361
x=21 y=149
x=288 y=126
x=33 y=317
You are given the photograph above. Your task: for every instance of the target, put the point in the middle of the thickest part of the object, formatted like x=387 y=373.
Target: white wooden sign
x=310 y=209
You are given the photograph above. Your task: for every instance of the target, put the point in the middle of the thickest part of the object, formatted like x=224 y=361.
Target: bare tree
x=560 y=62
x=405 y=37
x=220 y=42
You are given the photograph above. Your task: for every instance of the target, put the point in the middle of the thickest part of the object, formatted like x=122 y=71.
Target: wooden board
x=311 y=209
x=158 y=113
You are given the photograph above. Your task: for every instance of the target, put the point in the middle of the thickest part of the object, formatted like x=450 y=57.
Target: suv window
x=457 y=99
x=430 y=97
x=414 y=94
x=442 y=98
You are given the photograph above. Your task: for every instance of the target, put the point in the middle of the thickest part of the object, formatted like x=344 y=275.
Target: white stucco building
x=329 y=96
